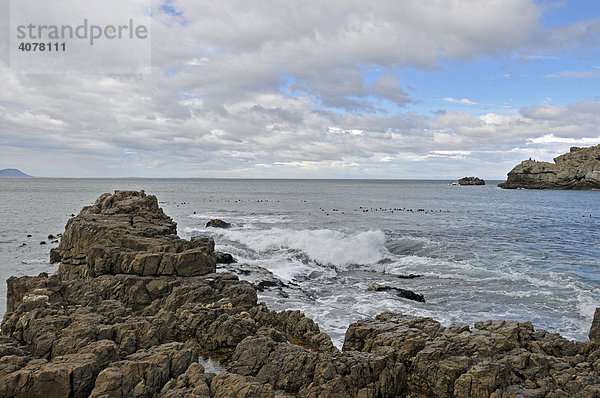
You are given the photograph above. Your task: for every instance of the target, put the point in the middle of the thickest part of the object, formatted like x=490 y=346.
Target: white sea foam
x=211 y=365
x=586 y=305
x=324 y=246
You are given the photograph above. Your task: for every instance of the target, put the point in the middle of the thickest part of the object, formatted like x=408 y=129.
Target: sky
x=433 y=89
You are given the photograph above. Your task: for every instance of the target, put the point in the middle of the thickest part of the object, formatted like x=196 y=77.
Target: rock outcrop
x=577 y=169
x=127 y=233
x=115 y=323
x=471 y=181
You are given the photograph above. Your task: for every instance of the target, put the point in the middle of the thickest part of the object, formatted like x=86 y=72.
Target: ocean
x=317 y=245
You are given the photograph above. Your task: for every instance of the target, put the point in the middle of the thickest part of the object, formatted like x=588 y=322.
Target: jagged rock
x=55 y=255
x=595 y=328
x=128 y=233
x=193 y=382
x=495 y=359
x=577 y=169
x=228 y=385
x=217 y=223
x=471 y=181
x=144 y=373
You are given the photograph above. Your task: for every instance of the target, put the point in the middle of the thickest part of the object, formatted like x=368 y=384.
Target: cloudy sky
x=320 y=89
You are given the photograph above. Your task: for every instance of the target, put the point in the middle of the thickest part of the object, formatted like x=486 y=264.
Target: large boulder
x=577 y=169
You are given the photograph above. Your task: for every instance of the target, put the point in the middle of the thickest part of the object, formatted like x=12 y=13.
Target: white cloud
x=216 y=103
x=577 y=74
x=464 y=101
x=552 y=139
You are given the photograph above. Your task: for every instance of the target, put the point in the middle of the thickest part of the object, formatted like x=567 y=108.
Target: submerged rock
x=110 y=325
x=217 y=223
x=577 y=169
x=471 y=181
x=407 y=294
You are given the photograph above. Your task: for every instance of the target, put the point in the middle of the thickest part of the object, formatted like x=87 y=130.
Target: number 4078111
x=42 y=47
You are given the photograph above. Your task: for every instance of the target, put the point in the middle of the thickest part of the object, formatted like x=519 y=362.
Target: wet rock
x=217 y=223
x=409 y=276
x=224 y=258
x=577 y=169
x=43 y=243
x=407 y=294
x=51 y=237
x=471 y=181
x=262 y=285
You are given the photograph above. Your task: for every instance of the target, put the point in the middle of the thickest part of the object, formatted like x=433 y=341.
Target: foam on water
x=323 y=246
x=211 y=365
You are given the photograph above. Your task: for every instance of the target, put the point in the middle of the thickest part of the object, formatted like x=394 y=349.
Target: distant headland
x=13 y=173
x=577 y=169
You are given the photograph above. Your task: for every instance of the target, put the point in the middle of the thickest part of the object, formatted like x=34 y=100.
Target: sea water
x=481 y=252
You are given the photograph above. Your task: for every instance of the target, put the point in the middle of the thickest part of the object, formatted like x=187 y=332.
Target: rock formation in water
x=217 y=223
x=471 y=181
x=133 y=307
x=577 y=169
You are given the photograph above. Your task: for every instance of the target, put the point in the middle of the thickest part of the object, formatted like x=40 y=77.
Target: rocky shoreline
x=577 y=169
x=133 y=307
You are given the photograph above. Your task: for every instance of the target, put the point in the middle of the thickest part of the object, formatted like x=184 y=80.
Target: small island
x=12 y=173
x=577 y=169
x=471 y=181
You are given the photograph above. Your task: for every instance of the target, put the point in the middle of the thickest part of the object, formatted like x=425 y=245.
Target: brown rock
x=471 y=181
x=128 y=233
x=217 y=223
x=577 y=169
x=595 y=328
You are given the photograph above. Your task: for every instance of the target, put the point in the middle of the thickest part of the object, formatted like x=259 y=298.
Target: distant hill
x=12 y=173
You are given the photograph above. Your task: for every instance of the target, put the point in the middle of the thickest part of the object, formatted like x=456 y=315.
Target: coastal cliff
x=134 y=307
x=577 y=169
